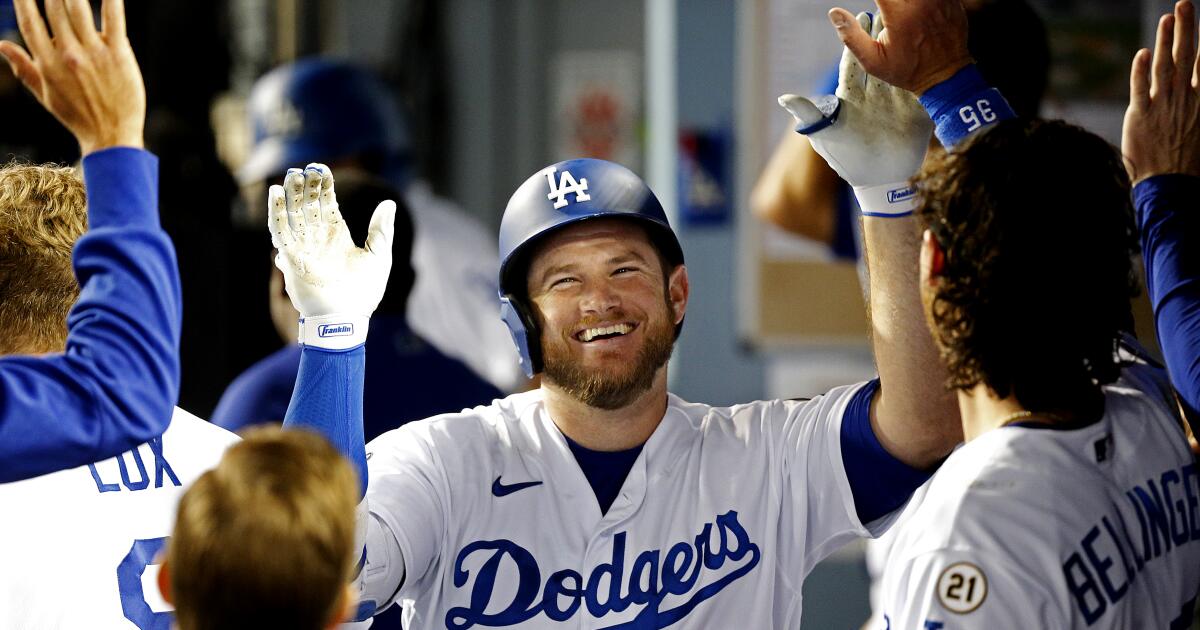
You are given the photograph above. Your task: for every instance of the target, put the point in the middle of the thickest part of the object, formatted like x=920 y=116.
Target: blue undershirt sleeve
x=116 y=383
x=880 y=482
x=328 y=399
x=1167 y=219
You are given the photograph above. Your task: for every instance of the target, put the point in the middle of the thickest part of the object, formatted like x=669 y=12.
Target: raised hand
x=923 y=42
x=880 y=137
x=333 y=283
x=88 y=79
x=1161 y=134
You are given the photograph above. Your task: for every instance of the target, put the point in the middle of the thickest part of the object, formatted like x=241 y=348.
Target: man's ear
x=933 y=259
x=164 y=583
x=678 y=290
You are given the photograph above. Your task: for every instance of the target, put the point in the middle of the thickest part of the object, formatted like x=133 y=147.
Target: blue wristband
x=964 y=104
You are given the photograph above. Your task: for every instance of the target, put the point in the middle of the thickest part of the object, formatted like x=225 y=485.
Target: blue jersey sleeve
x=1168 y=225
x=116 y=383
x=880 y=482
x=328 y=399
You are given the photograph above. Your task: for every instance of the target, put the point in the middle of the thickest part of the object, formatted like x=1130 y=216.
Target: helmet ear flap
x=525 y=332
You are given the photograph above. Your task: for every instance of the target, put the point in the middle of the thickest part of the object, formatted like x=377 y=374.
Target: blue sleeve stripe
x=880 y=482
x=328 y=399
x=962 y=105
x=1165 y=220
x=886 y=215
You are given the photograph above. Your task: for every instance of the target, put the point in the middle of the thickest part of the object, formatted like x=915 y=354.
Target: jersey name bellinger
x=1109 y=557
x=652 y=577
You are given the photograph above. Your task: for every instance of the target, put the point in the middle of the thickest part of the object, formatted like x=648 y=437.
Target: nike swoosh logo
x=501 y=490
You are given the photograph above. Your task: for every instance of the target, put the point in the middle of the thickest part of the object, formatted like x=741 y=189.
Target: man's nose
x=600 y=297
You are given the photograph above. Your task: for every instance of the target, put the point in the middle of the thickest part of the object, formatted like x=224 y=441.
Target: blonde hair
x=265 y=539
x=43 y=211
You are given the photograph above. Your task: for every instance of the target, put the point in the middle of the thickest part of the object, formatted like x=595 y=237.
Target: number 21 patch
x=962 y=587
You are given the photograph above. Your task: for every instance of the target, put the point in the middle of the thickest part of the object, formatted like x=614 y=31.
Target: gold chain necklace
x=1050 y=418
x=1013 y=417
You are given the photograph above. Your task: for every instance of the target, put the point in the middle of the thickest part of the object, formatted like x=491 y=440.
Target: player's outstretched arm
x=1161 y=145
x=115 y=385
x=335 y=286
x=876 y=143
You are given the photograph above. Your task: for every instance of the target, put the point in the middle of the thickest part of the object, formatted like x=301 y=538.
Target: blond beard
x=605 y=390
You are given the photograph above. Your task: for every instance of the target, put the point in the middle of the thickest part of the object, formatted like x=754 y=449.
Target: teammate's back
x=1067 y=528
x=79 y=546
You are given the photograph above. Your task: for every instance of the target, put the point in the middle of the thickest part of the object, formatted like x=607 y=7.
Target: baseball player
x=600 y=499
x=91 y=531
x=111 y=381
x=1073 y=502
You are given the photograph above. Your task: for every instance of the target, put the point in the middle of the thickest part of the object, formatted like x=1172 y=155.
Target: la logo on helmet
x=566 y=185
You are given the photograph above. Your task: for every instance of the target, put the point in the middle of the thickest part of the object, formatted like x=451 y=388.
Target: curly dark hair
x=1035 y=220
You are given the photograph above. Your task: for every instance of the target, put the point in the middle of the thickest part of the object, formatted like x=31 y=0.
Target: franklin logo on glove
x=335 y=330
x=901 y=194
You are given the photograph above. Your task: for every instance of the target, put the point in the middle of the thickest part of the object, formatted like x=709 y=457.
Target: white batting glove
x=335 y=285
x=875 y=135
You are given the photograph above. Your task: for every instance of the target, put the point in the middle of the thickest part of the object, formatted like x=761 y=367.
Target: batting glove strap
x=963 y=105
x=886 y=200
x=338 y=331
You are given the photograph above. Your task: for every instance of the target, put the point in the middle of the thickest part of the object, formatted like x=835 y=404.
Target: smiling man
x=611 y=353
x=600 y=498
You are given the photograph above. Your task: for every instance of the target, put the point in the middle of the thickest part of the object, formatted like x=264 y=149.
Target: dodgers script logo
x=335 y=330
x=566 y=186
x=652 y=576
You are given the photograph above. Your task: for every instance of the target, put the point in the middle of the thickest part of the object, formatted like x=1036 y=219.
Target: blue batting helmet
x=322 y=110
x=554 y=197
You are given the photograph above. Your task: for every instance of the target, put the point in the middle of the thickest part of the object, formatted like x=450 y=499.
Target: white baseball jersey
x=77 y=547
x=723 y=514
x=875 y=556
x=455 y=300
x=1095 y=527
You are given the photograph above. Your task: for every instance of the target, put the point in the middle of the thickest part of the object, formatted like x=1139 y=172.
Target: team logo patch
x=962 y=587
